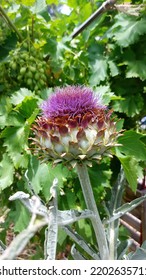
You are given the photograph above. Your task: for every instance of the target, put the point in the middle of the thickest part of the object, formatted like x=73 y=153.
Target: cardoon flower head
x=74 y=127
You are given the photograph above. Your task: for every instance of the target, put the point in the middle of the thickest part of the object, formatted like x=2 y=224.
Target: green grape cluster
x=27 y=67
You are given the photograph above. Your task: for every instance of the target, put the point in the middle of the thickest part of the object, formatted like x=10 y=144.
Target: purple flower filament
x=72 y=100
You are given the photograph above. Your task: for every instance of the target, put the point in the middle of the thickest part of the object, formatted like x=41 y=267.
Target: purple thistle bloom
x=71 y=100
x=74 y=126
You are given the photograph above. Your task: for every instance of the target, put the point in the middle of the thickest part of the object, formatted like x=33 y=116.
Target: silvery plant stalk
x=91 y=205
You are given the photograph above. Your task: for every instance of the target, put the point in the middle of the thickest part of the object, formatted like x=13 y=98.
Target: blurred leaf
x=70 y=198
x=51 y=46
x=8 y=45
x=21 y=217
x=26 y=2
x=5 y=108
x=61 y=237
x=119 y=124
x=54 y=2
x=39 y=6
x=6 y=172
x=85 y=230
x=139 y=254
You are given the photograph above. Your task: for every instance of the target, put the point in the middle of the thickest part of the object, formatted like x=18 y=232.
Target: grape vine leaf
x=98 y=70
x=131 y=105
x=127 y=30
x=39 y=6
x=26 y=2
x=20 y=95
x=106 y=94
x=54 y=2
x=113 y=68
x=100 y=175
x=132 y=145
x=27 y=107
x=6 y=172
x=42 y=175
x=5 y=108
x=131 y=167
x=14 y=119
x=38 y=173
x=97 y=64
x=16 y=144
x=8 y=45
x=136 y=69
x=50 y=47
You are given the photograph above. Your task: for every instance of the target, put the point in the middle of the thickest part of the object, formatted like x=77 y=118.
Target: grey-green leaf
x=127 y=207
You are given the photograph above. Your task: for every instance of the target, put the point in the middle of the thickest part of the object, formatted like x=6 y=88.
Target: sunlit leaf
x=20 y=95
x=27 y=107
x=39 y=6
x=113 y=68
x=132 y=145
x=16 y=144
x=127 y=30
x=99 y=71
x=131 y=168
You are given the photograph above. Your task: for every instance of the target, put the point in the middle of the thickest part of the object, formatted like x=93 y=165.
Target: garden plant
x=72 y=127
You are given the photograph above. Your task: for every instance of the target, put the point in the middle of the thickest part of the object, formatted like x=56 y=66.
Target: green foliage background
x=109 y=56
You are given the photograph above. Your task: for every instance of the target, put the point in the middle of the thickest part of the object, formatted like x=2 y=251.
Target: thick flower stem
x=91 y=205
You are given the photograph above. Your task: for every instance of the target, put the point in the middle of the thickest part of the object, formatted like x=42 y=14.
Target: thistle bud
x=74 y=126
